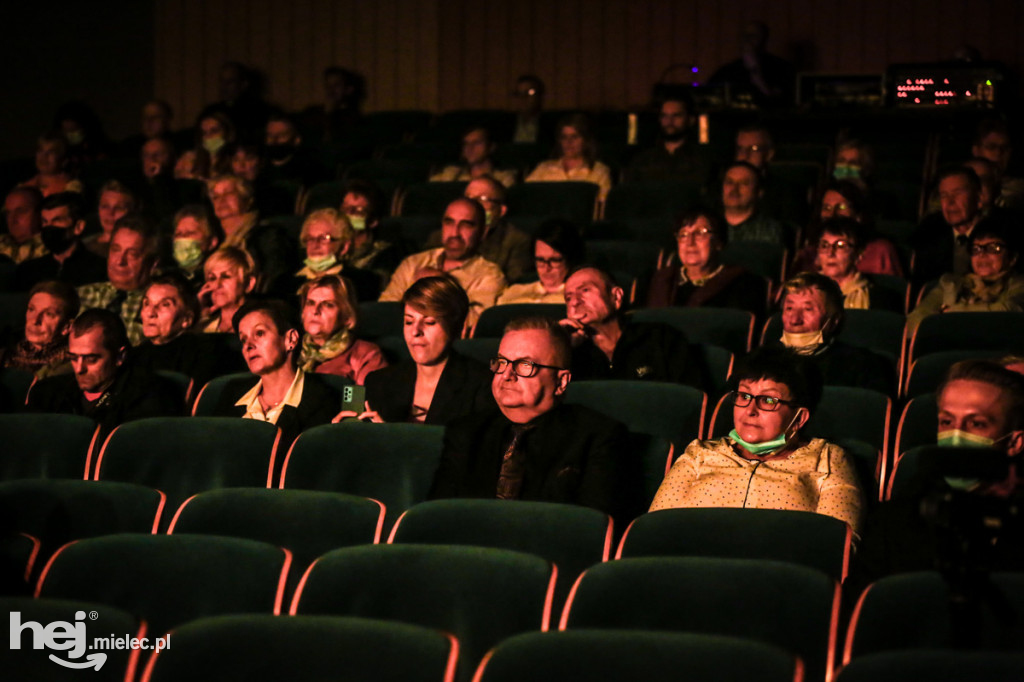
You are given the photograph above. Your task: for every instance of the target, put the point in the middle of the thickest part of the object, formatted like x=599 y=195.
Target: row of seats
x=484 y=595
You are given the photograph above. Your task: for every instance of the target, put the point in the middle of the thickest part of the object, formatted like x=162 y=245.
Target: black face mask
x=57 y=239
x=279 y=152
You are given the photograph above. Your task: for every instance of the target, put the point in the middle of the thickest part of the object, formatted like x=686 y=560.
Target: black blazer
x=464 y=388
x=318 y=406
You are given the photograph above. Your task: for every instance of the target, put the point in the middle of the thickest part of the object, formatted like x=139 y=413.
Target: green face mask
x=358 y=222
x=188 y=253
x=955 y=438
x=320 y=264
x=213 y=144
x=490 y=217
x=766 y=447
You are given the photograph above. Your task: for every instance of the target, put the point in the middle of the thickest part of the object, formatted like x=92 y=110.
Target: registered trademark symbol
x=93 y=615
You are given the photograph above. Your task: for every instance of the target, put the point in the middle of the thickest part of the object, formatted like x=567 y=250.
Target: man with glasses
x=533 y=447
x=502 y=243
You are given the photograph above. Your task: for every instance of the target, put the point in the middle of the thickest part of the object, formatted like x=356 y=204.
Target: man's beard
x=674 y=136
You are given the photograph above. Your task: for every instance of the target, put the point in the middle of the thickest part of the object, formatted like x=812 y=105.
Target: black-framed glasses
x=523 y=367
x=840 y=245
x=765 y=403
x=992 y=248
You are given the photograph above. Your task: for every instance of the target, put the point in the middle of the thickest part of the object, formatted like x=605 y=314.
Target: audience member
x=52 y=174
x=23 y=240
x=195 y=237
x=214 y=132
x=534 y=446
x=439 y=384
x=288 y=160
x=240 y=101
x=284 y=394
x=326 y=237
x=557 y=249
x=529 y=94
x=766 y=79
x=608 y=346
x=840 y=246
x=992 y=141
x=43 y=349
x=812 y=316
x=754 y=145
x=675 y=156
x=462 y=227
x=337 y=118
x=766 y=462
x=329 y=318
x=575 y=158
x=116 y=201
x=741 y=202
x=105 y=385
x=361 y=204
x=699 y=278
x=991 y=285
x=230 y=277
x=66 y=259
x=476 y=161
x=502 y=243
x=130 y=262
x=940 y=241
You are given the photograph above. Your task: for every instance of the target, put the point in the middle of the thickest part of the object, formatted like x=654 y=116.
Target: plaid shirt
x=102 y=294
x=19 y=253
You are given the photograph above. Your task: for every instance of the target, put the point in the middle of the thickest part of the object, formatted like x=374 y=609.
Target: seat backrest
x=913 y=611
x=724 y=327
x=919 y=423
x=806 y=538
x=307 y=523
x=209 y=395
x=182 y=456
x=719 y=362
x=14 y=385
x=169 y=580
x=650 y=199
x=926 y=372
x=493 y=320
x=381 y=318
x=934 y=665
x=880 y=331
x=46 y=446
x=429 y=198
x=480 y=595
x=304 y=649
x=967 y=331
x=573 y=201
x=714 y=596
x=394 y=463
x=624 y=656
x=672 y=411
x=765 y=259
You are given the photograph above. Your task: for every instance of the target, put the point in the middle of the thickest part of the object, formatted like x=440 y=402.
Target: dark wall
x=101 y=53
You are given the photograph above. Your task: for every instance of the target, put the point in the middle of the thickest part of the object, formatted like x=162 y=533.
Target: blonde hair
x=240 y=258
x=344 y=294
x=341 y=228
x=242 y=186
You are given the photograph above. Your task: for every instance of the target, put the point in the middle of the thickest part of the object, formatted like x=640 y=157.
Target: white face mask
x=803 y=343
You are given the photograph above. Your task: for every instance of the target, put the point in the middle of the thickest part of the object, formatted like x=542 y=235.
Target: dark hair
x=757 y=128
x=798 y=373
x=280 y=313
x=994 y=374
x=72 y=200
x=989 y=125
x=964 y=171
x=559 y=337
x=606 y=276
x=994 y=228
x=59 y=290
x=852 y=192
x=143 y=227
x=201 y=215
x=115 y=337
x=845 y=227
x=718 y=231
x=538 y=84
x=442 y=297
x=367 y=190
x=186 y=292
x=743 y=164
x=581 y=124
x=562 y=236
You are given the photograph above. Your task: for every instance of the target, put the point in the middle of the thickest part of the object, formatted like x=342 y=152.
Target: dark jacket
x=81 y=267
x=198 y=356
x=733 y=287
x=573 y=455
x=318 y=406
x=464 y=387
x=844 y=365
x=136 y=393
x=645 y=351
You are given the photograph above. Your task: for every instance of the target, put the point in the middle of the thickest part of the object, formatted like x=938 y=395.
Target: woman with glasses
x=840 y=247
x=438 y=384
x=557 y=249
x=326 y=237
x=990 y=286
x=766 y=462
x=699 y=278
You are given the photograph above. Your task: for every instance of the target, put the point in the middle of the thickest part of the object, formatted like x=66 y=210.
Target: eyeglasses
x=549 y=262
x=992 y=248
x=322 y=239
x=765 y=403
x=699 y=235
x=523 y=367
x=841 y=245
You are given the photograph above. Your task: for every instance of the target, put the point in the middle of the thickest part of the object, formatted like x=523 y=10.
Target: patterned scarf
x=977 y=290
x=855 y=293
x=43 y=361
x=314 y=355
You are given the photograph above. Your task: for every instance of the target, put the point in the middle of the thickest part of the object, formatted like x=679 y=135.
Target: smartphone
x=354 y=398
